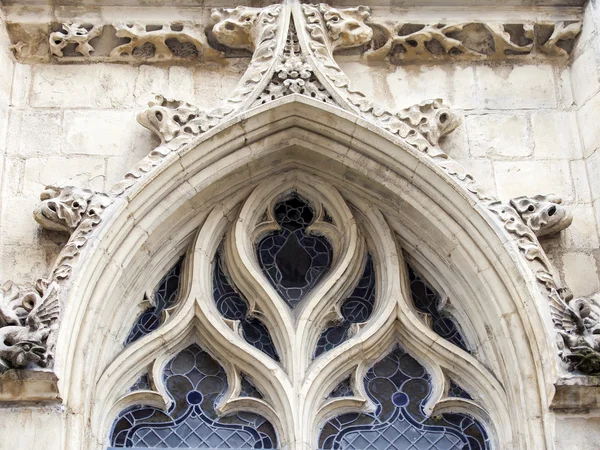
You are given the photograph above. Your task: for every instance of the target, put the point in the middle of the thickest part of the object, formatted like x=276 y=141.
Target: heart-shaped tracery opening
x=293 y=259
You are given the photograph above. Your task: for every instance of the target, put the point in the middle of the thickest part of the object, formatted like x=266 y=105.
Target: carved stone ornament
x=544 y=214
x=74 y=34
x=28 y=316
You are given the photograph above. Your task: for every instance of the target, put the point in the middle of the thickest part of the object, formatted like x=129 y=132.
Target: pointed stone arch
x=433 y=215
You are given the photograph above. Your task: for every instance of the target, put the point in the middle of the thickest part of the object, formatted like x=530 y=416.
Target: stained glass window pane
x=292 y=259
x=195 y=382
x=233 y=306
x=165 y=296
x=399 y=386
x=427 y=301
x=357 y=308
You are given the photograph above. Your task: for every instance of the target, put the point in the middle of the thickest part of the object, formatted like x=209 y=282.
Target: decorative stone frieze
x=373 y=37
x=410 y=42
x=28 y=318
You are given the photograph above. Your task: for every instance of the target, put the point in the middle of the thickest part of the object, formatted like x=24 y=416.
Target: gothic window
x=315 y=285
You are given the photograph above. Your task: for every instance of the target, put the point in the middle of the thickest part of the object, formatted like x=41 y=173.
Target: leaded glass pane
x=293 y=260
x=195 y=382
x=344 y=389
x=141 y=384
x=357 y=308
x=399 y=386
x=427 y=301
x=165 y=296
x=233 y=306
x=456 y=391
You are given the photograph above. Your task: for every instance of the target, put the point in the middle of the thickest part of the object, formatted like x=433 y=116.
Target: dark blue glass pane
x=357 y=308
x=141 y=384
x=248 y=389
x=195 y=382
x=456 y=391
x=427 y=301
x=344 y=389
x=399 y=386
x=293 y=260
x=233 y=306
x=165 y=296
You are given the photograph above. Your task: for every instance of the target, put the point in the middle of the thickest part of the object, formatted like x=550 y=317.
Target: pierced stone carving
x=544 y=214
x=159 y=42
x=74 y=34
x=405 y=42
x=28 y=316
x=75 y=211
x=346 y=27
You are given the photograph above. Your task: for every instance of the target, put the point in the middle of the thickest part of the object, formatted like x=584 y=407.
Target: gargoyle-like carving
x=69 y=207
x=74 y=34
x=400 y=42
x=28 y=316
x=544 y=214
x=160 y=42
x=432 y=118
x=236 y=27
x=346 y=27
x=579 y=333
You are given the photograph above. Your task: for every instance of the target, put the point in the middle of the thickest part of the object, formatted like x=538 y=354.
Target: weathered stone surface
x=504 y=135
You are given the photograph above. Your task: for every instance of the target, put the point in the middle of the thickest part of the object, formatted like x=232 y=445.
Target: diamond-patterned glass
x=195 y=382
x=357 y=308
x=427 y=301
x=165 y=296
x=233 y=306
x=400 y=387
x=293 y=259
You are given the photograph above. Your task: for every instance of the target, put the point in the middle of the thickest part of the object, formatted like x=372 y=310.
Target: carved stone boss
x=293 y=59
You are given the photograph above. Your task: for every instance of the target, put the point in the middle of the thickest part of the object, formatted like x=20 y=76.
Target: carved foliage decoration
x=73 y=33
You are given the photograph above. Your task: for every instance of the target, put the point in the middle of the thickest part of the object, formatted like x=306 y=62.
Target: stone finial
x=66 y=208
x=544 y=214
x=346 y=27
x=28 y=316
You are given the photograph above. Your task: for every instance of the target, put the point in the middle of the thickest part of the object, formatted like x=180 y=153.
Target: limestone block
x=83 y=86
x=34 y=132
x=12 y=177
x=593 y=167
x=3 y=126
x=583 y=230
x=410 y=85
x=21 y=85
x=581 y=273
x=75 y=170
x=581 y=181
x=6 y=75
x=516 y=87
x=23 y=228
x=27 y=428
x=18 y=261
x=98 y=132
x=117 y=166
x=498 y=135
x=150 y=81
x=587 y=117
x=181 y=84
x=565 y=87
x=597 y=212
x=364 y=79
x=584 y=76
x=483 y=172
x=578 y=432
x=556 y=135
x=516 y=178
x=212 y=86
